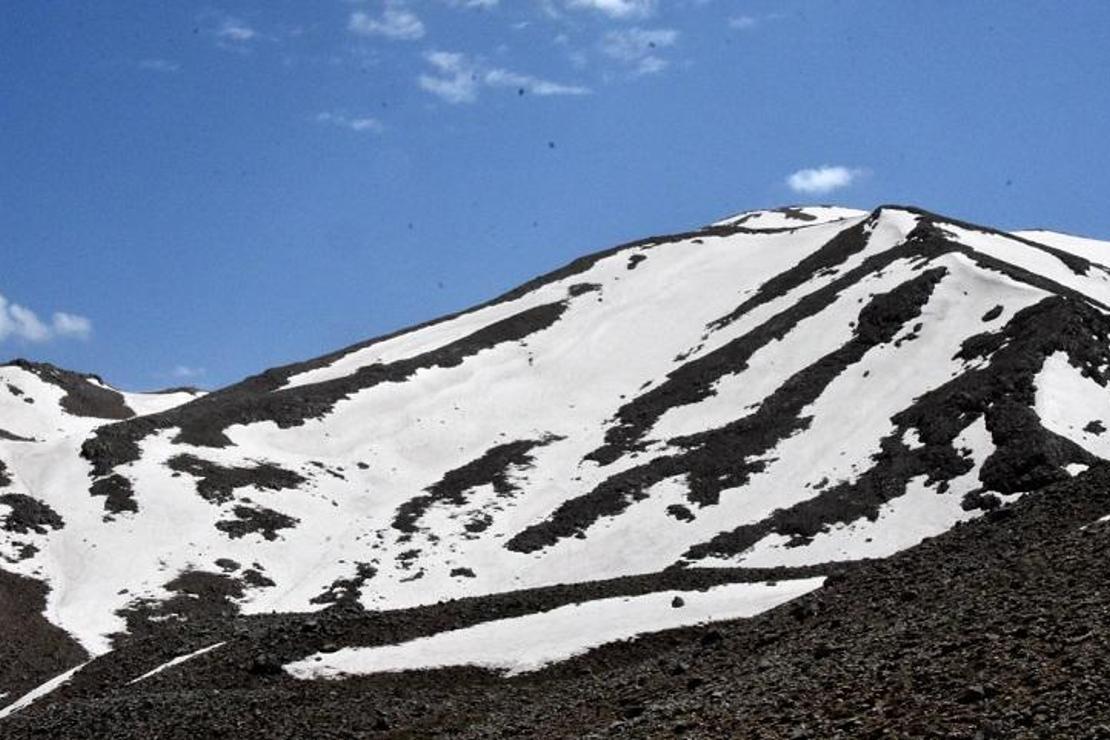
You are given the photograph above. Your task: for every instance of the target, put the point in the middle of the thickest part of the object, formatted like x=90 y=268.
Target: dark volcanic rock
x=83 y=397
x=1007 y=637
x=118 y=494
x=216 y=483
x=491 y=468
x=27 y=514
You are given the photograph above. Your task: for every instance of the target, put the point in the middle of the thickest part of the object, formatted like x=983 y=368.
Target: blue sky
x=193 y=192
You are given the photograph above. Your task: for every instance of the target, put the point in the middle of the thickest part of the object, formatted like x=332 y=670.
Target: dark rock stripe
x=694 y=381
x=203 y=421
x=832 y=254
x=726 y=457
x=491 y=468
x=1027 y=456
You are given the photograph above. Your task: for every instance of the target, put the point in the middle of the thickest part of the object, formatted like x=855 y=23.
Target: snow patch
x=529 y=643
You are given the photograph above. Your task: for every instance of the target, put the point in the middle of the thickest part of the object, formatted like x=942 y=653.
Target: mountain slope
x=760 y=401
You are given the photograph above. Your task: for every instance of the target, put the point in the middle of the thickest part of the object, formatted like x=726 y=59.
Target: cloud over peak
x=819 y=180
x=23 y=323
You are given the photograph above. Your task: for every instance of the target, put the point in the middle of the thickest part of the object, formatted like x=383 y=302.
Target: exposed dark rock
x=118 y=494
x=83 y=397
x=27 y=514
x=347 y=589
x=492 y=468
x=33 y=650
x=227 y=565
x=217 y=484
x=582 y=288
x=993 y=314
x=256 y=519
x=1008 y=633
x=1095 y=427
x=726 y=457
x=680 y=512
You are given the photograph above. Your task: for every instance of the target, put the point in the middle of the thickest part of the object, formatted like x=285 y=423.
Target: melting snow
x=528 y=643
x=176 y=661
x=40 y=691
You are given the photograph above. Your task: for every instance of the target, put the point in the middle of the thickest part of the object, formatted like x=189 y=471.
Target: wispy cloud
x=618 y=8
x=457 y=78
x=159 y=65
x=471 y=3
x=23 y=323
x=395 y=22
x=743 y=22
x=639 y=47
x=362 y=124
x=819 y=180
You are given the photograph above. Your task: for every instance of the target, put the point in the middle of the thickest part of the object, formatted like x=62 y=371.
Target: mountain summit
x=812 y=420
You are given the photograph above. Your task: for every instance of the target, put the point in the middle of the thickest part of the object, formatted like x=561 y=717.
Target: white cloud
x=457 y=78
x=825 y=179
x=72 y=325
x=471 y=3
x=235 y=31
x=396 y=22
x=23 y=323
x=159 y=65
x=363 y=124
x=454 y=80
x=639 y=47
x=618 y=8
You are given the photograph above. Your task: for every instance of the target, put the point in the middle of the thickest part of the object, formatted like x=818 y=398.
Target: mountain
x=834 y=471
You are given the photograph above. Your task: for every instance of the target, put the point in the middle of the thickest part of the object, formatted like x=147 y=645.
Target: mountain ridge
x=738 y=404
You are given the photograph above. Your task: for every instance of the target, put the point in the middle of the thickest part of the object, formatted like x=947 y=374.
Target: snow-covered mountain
x=773 y=394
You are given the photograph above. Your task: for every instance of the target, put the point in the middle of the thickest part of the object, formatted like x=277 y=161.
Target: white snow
x=176 y=661
x=776 y=219
x=1067 y=401
x=1096 y=284
x=40 y=691
x=153 y=403
x=567 y=380
x=522 y=644
x=1095 y=250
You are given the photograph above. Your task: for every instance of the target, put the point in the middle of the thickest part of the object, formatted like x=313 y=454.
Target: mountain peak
x=810 y=389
